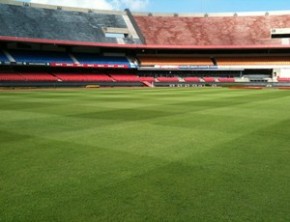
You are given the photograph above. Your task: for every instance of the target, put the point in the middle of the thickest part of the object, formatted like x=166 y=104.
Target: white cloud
x=134 y=5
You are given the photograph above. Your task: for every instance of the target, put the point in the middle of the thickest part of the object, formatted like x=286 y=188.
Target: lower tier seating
x=209 y=79
x=283 y=79
x=125 y=78
x=147 y=79
x=98 y=78
x=75 y=77
x=39 y=77
x=226 y=79
x=191 y=79
x=11 y=77
x=167 y=79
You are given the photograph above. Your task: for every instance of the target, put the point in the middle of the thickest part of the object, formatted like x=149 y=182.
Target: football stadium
x=132 y=116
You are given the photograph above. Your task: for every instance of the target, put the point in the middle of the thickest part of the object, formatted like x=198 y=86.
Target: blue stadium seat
x=85 y=58
x=3 y=57
x=40 y=57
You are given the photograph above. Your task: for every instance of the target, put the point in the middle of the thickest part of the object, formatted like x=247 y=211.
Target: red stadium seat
x=191 y=79
x=209 y=79
x=226 y=79
x=147 y=79
x=125 y=77
x=39 y=77
x=11 y=77
x=80 y=77
x=167 y=79
x=283 y=79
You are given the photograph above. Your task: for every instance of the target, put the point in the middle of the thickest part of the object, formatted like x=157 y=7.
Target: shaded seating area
x=253 y=61
x=89 y=58
x=3 y=57
x=40 y=56
x=174 y=61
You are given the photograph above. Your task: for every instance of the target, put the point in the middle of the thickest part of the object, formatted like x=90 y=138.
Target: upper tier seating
x=252 y=61
x=86 y=58
x=125 y=78
x=191 y=79
x=40 y=57
x=174 y=61
x=3 y=57
x=167 y=79
x=211 y=30
x=62 y=25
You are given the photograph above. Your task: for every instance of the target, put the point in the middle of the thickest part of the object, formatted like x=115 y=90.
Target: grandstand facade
x=53 y=46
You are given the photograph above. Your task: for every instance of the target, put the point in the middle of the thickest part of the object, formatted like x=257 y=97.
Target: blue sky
x=218 y=5
x=178 y=6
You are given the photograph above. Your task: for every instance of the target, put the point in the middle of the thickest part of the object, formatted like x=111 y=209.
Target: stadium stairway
x=8 y=56
x=73 y=58
x=148 y=84
x=180 y=79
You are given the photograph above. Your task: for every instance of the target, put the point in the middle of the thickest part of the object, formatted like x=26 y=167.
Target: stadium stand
x=11 y=77
x=167 y=79
x=191 y=79
x=86 y=58
x=147 y=79
x=226 y=80
x=208 y=79
x=171 y=61
x=3 y=57
x=83 y=77
x=125 y=77
x=40 y=57
x=98 y=78
x=242 y=61
x=42 y=45
x=70 y=77
x=211 y=30
x=66 y=25
x=283 y=79
x=45 y=77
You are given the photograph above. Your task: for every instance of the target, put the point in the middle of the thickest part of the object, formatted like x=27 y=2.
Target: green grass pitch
x=145 y=155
